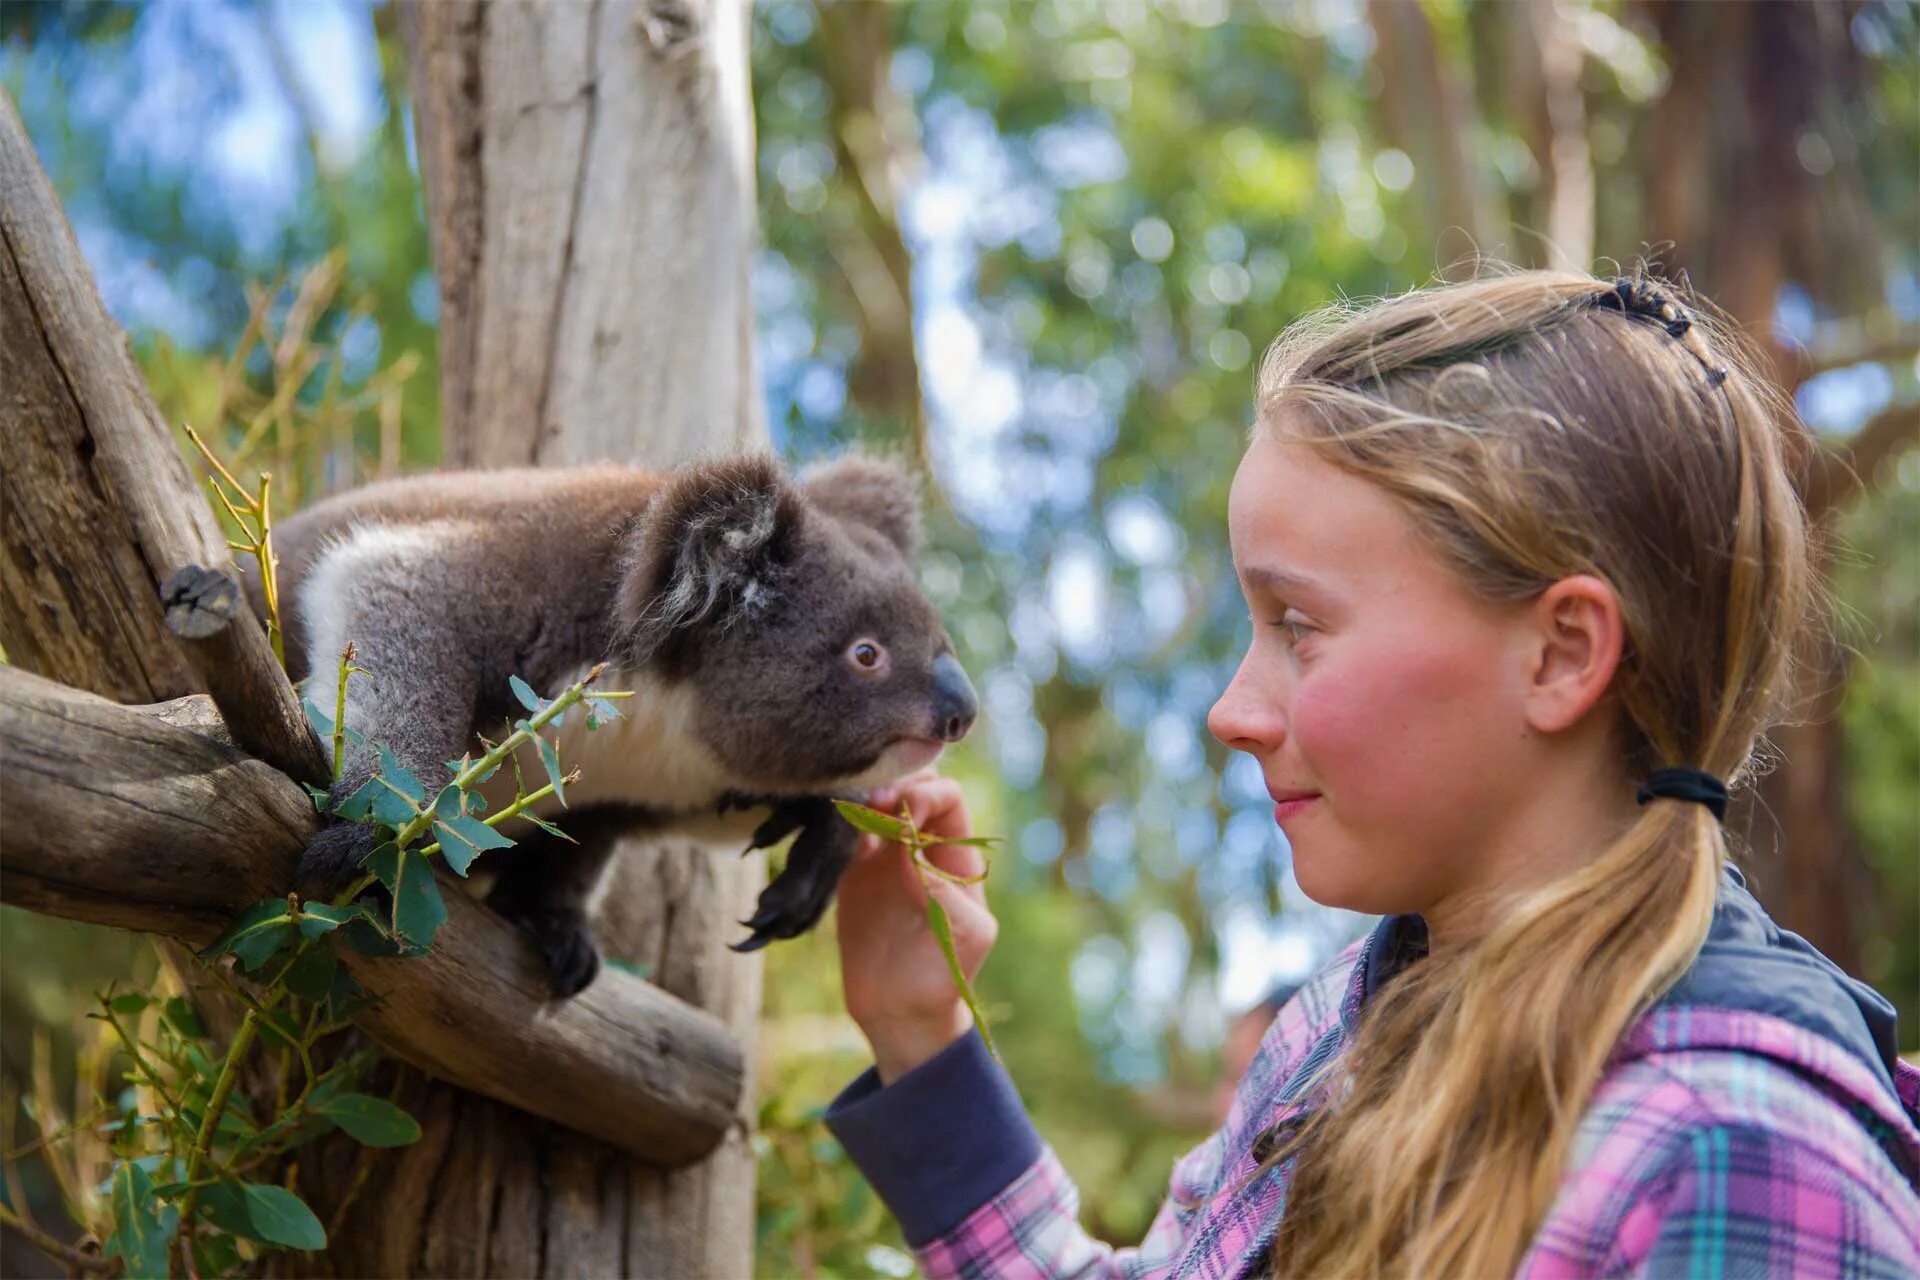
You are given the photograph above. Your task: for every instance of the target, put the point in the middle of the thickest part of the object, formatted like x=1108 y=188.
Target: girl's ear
x=1577 y=636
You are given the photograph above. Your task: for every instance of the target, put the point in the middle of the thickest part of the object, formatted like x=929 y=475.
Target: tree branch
x=1859 y=348
x=1842 y=472
x=130 y=817
x=100 y=510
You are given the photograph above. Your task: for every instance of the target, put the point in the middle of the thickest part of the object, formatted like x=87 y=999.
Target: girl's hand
x=897 y=984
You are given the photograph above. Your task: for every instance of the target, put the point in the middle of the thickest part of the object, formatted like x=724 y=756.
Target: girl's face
x=1385 y=704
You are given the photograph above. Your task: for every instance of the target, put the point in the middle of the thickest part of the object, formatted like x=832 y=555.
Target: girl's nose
x=1247 y=717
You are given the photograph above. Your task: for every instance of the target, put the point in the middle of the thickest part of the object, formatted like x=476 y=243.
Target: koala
x=771 y=629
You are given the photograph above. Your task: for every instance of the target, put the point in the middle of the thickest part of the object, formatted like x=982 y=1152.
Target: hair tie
x=1695 y=785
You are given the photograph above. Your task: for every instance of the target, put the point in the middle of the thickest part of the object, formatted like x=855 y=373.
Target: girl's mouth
x=1291 y=807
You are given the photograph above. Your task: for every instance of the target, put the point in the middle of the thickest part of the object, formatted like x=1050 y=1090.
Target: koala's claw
x=796 y=899
x=792 y=904
x=565 y=943
x=333 y=855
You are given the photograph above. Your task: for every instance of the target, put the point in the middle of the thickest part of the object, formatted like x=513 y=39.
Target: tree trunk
x=589 y=184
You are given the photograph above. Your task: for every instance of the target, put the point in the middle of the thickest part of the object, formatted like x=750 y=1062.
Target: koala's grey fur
x=725 y=595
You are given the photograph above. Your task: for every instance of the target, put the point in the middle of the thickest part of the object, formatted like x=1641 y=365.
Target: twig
x=79 y=1259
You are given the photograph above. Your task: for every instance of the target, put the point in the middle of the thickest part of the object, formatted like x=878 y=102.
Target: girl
x=1525 y=563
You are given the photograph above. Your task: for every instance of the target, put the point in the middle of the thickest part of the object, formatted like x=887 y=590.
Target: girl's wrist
x=900 y=1045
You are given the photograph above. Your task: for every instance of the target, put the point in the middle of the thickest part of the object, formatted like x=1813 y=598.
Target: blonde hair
x=1538 y=425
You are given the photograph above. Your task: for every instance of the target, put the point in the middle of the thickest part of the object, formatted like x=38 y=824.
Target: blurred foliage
x=1879 y=581
x=1110 y=208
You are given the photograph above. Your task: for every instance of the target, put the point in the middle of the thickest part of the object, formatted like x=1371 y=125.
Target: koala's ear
x=704 y=549
x=882 y=495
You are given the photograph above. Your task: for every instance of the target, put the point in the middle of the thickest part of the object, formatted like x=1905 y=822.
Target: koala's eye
x=867 y=656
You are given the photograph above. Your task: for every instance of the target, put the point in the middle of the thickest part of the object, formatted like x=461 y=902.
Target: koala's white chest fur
x=650 y=756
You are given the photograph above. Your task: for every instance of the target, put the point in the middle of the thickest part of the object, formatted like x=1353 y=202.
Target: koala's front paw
x=333 y=856
x=796 y=899
x=565 y=942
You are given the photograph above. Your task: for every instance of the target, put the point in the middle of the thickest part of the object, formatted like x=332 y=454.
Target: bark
x=589 y=183
x=97 y=508
x=145 y=818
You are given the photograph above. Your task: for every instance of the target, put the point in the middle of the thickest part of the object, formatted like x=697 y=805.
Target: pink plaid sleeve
x=1748 y=1201
x=1032 y=1228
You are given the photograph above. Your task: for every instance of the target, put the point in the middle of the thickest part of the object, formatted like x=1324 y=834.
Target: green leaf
x=521 y=690
x=131 y=1003
x=262 y=1212
x=141 y=1235
x=400 y=778
x=255 y=934
x=310 y=976
x=374 y=1121
x=360 y=803
x=343 y=993
x=281 y=1217
x=319 y=796
x=368 y=936
x=317 y=918
x=225 y=1206
x=391 y=806
x=551 y=759
x=873 y=822
x=548 y=827
x=464 y=839
x=322 y=722
x=184 y=1018
x=599 y=711
x=447 y=803
x=943 y=934
x=215 y=1254
x=418 y=911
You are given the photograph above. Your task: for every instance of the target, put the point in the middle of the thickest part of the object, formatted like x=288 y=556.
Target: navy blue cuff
x=940 y=1141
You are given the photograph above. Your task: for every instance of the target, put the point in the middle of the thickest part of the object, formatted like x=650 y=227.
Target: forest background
x=1039 y=248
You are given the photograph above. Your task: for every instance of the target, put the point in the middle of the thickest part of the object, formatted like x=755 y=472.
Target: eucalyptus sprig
x=197 y=1176
x=253 y=513
x=903 y=830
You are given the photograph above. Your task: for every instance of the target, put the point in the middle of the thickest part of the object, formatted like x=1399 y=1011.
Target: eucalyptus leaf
x=322 y=722
x=400 y=778
x=524 y=692
x=281 y=1217
x=317 y=918
x=128 y=1005
x=142 y=1232
x=373 y=1121
x=551 y=759
x=873 y=822
x=943 y=934
x=464 y=839
x=359 y=804
x=183 y=1017
x=549 y=828
x=263 y=1212
x=310 y=976
x=418 y=911
x=391 y=806
x=255 y=934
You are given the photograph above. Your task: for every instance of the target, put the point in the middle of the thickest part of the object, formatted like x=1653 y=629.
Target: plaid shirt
x=1720 y=1142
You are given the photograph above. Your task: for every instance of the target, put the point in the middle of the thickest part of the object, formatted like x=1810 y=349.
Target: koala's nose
x=954 y=703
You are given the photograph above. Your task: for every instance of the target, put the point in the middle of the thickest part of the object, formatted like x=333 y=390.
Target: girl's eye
x=1294 y=629
x=866 y=655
